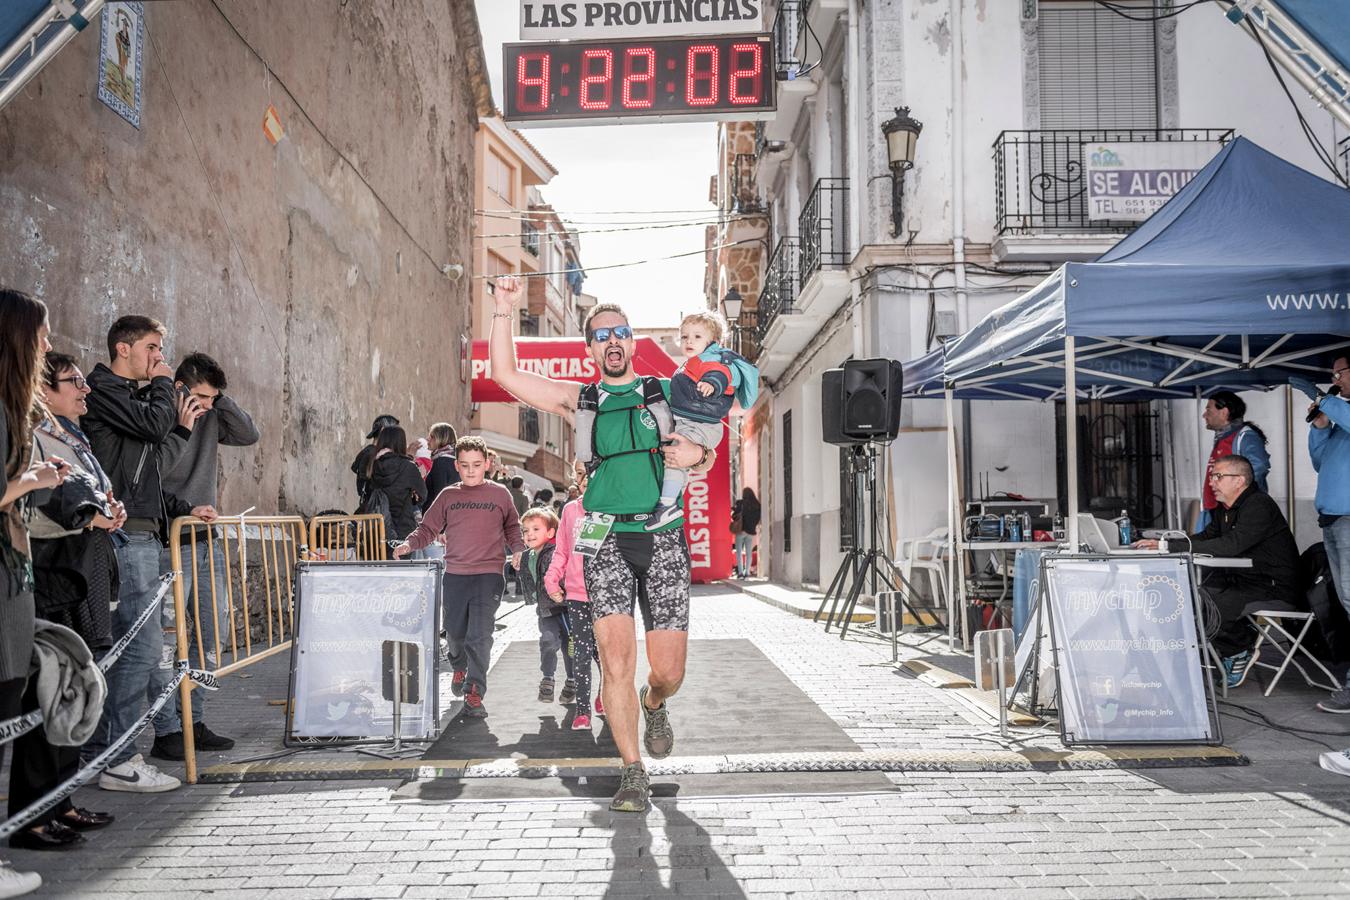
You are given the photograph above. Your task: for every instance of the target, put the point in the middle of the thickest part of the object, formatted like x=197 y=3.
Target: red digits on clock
x=643 y=76
x=525 y=81
x=695 y=95
x=604 y=78
x=751 y=77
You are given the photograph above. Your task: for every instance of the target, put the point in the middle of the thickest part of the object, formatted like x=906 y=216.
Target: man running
x=621 y=431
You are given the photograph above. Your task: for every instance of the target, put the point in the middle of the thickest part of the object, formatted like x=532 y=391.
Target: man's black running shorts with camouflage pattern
x=654 y=567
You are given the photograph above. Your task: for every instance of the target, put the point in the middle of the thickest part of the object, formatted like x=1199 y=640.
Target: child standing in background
x=538 y=528
x=564 y=582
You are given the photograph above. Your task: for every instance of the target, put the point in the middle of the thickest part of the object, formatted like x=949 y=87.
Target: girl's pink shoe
x=581 y=722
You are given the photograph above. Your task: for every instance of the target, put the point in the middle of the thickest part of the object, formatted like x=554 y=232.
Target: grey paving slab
x=1279 y=827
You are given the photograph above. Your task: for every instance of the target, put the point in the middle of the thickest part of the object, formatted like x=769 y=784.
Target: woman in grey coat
x=23 y=346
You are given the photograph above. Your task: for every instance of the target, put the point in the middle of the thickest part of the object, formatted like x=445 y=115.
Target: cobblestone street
x=1280 y=827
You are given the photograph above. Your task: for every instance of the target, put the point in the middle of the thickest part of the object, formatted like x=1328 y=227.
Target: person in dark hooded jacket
x=393 y=473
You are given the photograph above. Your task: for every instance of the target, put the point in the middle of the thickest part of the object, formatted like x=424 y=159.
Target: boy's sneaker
x=634 y=789
x=206 y=739
x=581 y=722
x=663 y=515
x=1236 y=667
x=599 y=705
x=457 y=682
x=138 y=777
x=1338 y=702
x=546 y=690
x=14 y=883
x=473 y=704
x=659 y=737
x=569 y=692
x=169 y=746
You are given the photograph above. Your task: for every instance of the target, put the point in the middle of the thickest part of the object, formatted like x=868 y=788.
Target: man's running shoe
x=457 y=683
x=473 y=704
x=663 y=515
x=1236 y=667
x=1338 y=702
x=634 y=790
x=581 y=722
x=546 y=690
x=569 y=692
x=659 y=737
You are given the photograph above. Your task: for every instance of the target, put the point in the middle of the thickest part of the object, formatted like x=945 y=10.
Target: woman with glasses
x=75 y=575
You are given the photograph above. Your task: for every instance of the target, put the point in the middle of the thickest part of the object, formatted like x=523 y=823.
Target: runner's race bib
x=594 y=529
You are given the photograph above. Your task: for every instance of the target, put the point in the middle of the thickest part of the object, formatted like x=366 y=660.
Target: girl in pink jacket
x=564 y=581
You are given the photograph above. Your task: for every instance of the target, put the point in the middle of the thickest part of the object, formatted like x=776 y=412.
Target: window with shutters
x=1098 y=69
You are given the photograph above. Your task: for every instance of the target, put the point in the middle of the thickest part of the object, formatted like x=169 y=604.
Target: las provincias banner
x=707 y=497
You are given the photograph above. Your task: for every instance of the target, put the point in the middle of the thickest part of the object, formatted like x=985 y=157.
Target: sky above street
x=605 y=170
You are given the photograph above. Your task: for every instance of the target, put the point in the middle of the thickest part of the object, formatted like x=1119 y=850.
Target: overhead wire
x=1120 y=10
x=332 y=145
x=572 y=231
x=1319 y=150
x=215 y=195
x=625 y=265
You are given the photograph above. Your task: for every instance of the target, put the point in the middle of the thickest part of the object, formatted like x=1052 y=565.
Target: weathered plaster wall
x=311 y=270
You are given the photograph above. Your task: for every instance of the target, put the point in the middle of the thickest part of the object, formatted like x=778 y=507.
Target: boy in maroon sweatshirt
x=476 y=519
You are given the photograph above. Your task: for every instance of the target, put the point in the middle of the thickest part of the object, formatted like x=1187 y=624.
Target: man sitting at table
x=1248 y=525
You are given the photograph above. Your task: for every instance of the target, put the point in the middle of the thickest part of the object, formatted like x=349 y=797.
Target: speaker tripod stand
x=863 y=560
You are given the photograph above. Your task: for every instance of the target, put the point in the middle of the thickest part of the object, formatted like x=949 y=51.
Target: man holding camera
x=207 y=419
x=126 y=425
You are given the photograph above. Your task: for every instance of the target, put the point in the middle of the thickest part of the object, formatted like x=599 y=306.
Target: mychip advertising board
x=350 y=617
x=1127 y=650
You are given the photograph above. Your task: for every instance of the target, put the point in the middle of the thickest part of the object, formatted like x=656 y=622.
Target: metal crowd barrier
x=254 y=620
x=346 y=538
x=257 y=619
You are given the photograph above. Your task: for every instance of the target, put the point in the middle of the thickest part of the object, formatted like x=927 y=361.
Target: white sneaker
x=14 y=883
x=137 y=776
x=1337 y=761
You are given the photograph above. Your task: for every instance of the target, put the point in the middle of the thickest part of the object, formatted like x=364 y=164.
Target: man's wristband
x=702 y=460
x=501 y=315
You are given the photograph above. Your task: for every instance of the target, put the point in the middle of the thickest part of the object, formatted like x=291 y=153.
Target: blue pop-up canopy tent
x=1246 y=268
x=1241 y=280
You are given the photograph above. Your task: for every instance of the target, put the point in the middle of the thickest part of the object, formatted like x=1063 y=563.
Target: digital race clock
x=728 y=77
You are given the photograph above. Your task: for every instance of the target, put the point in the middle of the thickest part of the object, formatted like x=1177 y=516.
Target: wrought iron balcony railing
x=1040 y=179
x=746 y=334
x=823 y=228
x=529 y=238
x=745 y=197
x=779 y=295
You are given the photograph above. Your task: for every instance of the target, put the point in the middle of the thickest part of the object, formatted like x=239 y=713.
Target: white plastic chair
x=928 y=554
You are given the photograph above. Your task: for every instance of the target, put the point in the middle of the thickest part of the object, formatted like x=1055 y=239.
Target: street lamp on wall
x=902 y=136
x=731 y=303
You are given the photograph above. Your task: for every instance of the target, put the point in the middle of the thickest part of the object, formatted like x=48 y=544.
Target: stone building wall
x=311 y=269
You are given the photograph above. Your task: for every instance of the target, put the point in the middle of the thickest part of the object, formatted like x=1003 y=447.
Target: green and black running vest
x=625 y=425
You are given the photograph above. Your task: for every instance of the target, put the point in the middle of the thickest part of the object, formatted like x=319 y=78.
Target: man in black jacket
x=189 y=469
x=1247 y=524
x=126 y=425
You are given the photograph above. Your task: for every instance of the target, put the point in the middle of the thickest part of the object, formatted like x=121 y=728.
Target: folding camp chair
x=1271 y=619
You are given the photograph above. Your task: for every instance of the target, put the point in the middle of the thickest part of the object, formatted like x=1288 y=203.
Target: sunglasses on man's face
x=622 y=332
